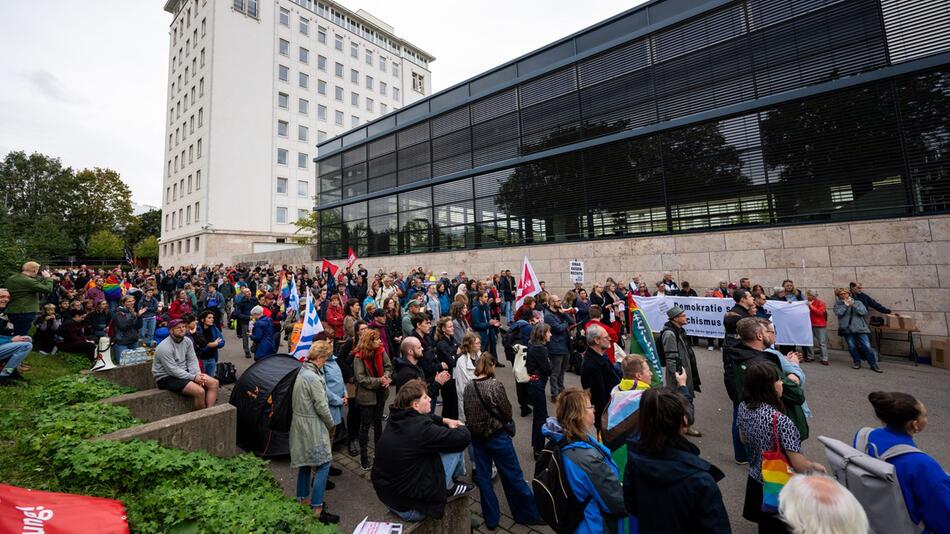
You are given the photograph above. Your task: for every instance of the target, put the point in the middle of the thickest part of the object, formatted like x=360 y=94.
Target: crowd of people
x=434 y=343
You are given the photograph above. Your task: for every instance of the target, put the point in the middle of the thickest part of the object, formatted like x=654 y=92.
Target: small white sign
x=576 y=270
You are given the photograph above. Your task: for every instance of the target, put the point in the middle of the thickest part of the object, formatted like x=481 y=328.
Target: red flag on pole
x=528 y=285
x=329 y=266
x=350 y=258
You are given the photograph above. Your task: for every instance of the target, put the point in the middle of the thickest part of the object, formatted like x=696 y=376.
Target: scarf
x=624 y=401
x=374 y=362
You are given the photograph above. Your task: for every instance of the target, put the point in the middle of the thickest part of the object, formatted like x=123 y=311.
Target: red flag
x=350 y=258
x=23 y=510
x=327 y=265
x=528 y=286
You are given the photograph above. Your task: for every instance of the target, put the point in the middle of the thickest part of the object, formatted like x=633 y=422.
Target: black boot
x=354 y=449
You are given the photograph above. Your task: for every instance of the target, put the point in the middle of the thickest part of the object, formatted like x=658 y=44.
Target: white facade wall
x=240 y=190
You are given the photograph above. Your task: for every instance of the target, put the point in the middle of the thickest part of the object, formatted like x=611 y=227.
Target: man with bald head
x=406 y=368
x=818 y=503
x=24 y=287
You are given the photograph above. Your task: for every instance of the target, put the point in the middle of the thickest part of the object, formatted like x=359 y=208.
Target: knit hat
x=674 y=312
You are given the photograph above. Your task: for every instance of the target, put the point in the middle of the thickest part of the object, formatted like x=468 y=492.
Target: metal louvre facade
x=734 y=114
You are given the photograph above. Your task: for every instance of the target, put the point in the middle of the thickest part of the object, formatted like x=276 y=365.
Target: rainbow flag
x=112 y=288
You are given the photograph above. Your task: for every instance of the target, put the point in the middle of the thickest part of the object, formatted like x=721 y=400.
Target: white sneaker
x=711 y=348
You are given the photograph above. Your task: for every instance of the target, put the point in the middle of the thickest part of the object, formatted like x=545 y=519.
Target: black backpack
x=508 y=341
x=226 y=373
x=556 y=502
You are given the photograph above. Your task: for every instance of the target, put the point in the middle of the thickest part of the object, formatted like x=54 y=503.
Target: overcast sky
x=85 y=81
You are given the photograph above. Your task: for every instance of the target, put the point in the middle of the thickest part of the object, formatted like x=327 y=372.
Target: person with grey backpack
x=901 y=488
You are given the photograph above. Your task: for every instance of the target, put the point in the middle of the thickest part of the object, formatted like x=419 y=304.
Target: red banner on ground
x=23 y=510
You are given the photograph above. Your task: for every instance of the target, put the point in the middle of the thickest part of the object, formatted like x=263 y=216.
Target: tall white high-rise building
x=253 y=86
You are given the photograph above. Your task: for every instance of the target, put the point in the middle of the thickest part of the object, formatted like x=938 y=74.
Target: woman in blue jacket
x=925 y=485
x=589 y=469
x=263 y=334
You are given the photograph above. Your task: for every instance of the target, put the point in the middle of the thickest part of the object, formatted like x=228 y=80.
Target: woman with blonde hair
x=592 y=474
x=374 y=373
x=464 y=373
x=312 y=423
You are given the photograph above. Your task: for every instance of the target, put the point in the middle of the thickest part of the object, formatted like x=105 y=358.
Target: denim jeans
x=147 y=332
x=243 y=333
x=506 y=310
x=499 y=450
x=319 y=486
x=117 y=352
x=210 y=366
x=539 y=405
x=740 y=453
x=12 y=355
x=22 y=322
x=858 y=344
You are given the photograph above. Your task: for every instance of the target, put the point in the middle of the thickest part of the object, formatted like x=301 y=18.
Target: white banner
x=792 y=324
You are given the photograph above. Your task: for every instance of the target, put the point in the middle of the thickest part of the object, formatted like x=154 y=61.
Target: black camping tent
x=254 y=395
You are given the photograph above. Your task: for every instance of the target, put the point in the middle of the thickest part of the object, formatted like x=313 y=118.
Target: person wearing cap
x=414 y=307
x=680 y=357
x=262 y=334
x=175 y=368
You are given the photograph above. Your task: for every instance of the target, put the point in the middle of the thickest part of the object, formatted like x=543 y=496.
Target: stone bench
x=153 y=404
x=457 y=518
x=213 y=430
x=136 y=376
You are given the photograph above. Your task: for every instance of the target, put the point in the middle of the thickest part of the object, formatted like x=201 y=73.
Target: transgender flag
x=311 y=327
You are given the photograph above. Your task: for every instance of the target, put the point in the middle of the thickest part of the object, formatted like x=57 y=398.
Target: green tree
x=105 y=244
x=147 y=249
x=101 y=201
x=34 y=184
x=142 y=226
x=307 y=229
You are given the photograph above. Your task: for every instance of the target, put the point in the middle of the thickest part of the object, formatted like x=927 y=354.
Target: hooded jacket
x=407 y=471
x=674 y=491
x=263 y=335
x=560 y=324
x=404 y=371
x=592 y=475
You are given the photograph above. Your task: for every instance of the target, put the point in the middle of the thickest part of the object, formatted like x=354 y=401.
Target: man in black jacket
x=407 y=367
x=243 y=304
x=597 y=374
x=857 y=292
x=744 y=303
x=418 y=457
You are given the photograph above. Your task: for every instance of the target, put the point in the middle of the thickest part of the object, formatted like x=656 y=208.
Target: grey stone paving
x=836 y=394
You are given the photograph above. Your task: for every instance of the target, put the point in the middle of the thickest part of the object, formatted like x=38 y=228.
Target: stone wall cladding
x=903 y=263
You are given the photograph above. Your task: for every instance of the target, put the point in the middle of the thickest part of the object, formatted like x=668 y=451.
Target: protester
x=262 y=334
x=407 y=367
x=243 y=304
x=818 y=315
x=418 y=457
x=558 y=346
x=593 y=477
x=680 y=357
x=857 y=292
x=347 y=353
x=446 y=351
x=13 y=348
x=208 y=340
x=45 y=327
x=924 y=483
x=538 y=366
x=72 y=335
x=598 y=376
x=818 y=504
x=853 y=327
x=126 y=323
x=762 y=423
x=488 y=417
x=97 y=322
x=24 y=288
x=667 y=486
x=469 y=352
x=373 y=372
x=175 y=368
x=151 y=308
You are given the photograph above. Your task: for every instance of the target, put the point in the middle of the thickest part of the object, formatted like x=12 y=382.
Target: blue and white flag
x=311 y=327
x=293 y=300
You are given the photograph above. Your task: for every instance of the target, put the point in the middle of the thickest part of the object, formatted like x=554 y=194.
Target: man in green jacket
x=24 y=287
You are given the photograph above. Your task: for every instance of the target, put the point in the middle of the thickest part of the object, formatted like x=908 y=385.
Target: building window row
x=175 y=248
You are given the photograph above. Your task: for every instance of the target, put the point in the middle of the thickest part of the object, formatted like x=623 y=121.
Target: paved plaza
x=836 y=394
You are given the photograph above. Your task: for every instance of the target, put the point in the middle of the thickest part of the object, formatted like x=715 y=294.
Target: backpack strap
x=898 y=450
x=862 y=439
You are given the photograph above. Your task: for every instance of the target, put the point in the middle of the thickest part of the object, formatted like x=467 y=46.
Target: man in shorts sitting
x=175 y=368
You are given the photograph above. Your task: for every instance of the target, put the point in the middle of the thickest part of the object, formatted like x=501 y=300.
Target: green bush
x=74 y=389
x=164 y=488
x=65 y=426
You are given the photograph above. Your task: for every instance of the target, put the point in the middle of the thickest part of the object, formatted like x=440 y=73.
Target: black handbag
x=508 y=426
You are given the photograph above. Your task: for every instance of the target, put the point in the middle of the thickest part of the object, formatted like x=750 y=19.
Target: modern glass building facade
x=676 y=116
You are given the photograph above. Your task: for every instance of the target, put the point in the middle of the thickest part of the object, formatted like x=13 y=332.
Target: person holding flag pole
x=311 y=326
